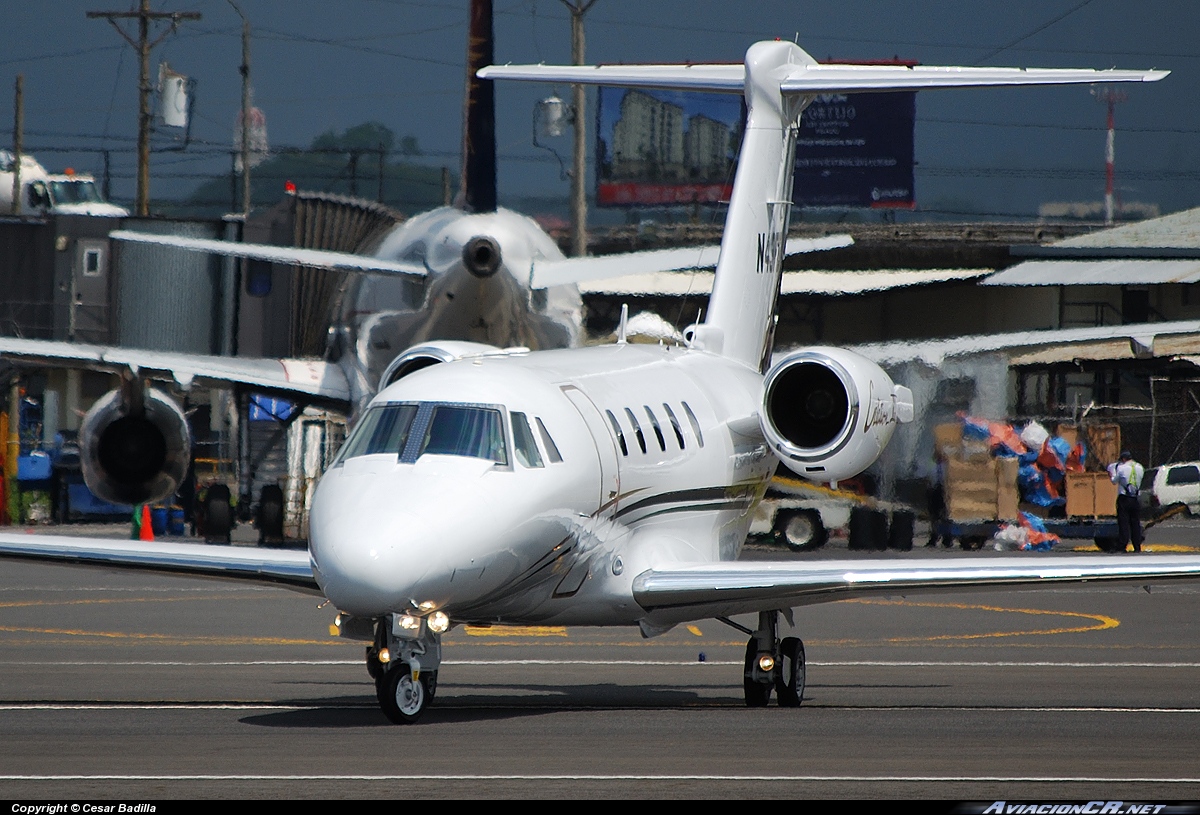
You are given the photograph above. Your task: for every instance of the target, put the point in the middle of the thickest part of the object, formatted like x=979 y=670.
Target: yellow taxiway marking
x=515 y=630
x=1158 y=547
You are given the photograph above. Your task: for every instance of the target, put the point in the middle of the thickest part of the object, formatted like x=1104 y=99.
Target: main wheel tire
x=758 y=694
x=218 y=514
x=270 y=515
x=401 y=699
x=1108 y=545
x=789 y=681
x=800 y=530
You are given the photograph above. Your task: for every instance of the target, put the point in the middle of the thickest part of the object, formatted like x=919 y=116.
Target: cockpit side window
x=551 y=447
x=466 y=431
x=525 y=446
x=384 y=429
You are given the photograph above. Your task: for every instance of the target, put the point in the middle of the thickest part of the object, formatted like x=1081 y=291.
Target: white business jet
x=615 y=485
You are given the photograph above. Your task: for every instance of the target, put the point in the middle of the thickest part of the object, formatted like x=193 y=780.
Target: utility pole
x=143 y=45
x=579 y=237
x=245 y=70
x=18 y=134
x=1111 y=97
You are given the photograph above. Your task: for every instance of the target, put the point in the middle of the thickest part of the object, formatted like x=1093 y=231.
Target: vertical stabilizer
x=478 y=190
x=742 y=306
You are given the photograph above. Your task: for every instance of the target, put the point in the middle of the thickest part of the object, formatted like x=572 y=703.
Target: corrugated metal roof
x=679 y=284
x=1144 y=339
x=1179 y=230
x=1125 y=272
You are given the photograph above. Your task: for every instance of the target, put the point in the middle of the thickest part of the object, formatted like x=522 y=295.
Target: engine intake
x=481 y=256
x=828 y=413
x=134 y=456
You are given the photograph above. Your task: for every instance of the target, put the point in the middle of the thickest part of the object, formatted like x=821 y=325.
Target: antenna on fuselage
x=623 y=326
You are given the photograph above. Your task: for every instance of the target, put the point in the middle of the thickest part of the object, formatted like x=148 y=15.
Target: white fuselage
x=561 y=542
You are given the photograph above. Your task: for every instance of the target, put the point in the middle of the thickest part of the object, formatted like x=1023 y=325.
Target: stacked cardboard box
x=978 y=487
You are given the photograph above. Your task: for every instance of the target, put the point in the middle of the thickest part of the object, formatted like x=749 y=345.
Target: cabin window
x=384 y=429
x=525 y=447
x=637 y=429
x=616 y=426
x=662 y=443
x=675 y=425
x=466 y=431
x=551 y=447
x=695 y=424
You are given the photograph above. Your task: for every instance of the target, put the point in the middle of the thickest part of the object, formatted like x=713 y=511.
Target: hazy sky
x=325 y=65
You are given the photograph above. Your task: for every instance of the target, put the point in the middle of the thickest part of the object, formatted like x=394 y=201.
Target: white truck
x=67 y=193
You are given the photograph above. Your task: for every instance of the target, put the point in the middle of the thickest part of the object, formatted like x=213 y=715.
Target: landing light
x=385 y=656
x=766 y=662
x=409 y=622
x=426 y=606
x=438 y=622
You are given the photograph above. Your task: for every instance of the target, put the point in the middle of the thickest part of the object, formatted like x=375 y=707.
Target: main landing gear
x=771 y=663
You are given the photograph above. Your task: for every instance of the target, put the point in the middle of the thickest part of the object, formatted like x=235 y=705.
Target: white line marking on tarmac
x=198 y=706
x=631 y=662
x=938 y=779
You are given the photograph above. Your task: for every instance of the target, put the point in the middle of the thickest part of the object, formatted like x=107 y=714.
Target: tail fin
x=779 y=80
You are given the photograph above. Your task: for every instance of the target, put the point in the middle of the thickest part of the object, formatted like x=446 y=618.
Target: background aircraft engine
x=828 y=413
x=432 y=353
x=481 y=256
x=131 y=455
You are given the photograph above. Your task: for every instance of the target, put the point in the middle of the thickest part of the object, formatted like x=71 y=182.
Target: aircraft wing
x=578 y=270
x=314 y=258
x=303 y=377
x=687 y=592
x=287 y=567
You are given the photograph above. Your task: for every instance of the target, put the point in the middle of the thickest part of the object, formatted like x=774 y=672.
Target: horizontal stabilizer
x=579 y=270
x=721 y=589
x=288 y=567
x=813 y=78
x=313 y=258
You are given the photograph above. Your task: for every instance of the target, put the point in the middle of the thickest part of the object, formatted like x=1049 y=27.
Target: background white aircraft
x=482 y=274
x=614 y=485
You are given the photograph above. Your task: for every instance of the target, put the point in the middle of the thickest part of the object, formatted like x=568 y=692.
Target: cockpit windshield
x=76 y=191
x=384 y=429
x=466 y=431
x=408 y=431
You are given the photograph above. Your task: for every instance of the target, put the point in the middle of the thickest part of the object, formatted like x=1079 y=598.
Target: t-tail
x=779 y=80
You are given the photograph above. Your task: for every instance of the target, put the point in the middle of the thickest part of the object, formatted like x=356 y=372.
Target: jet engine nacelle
x=432 y=353
x=828 y=413
x=134 y=448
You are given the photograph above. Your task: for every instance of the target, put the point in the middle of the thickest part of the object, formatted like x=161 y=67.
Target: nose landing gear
x=772 y=664
x=404 y=664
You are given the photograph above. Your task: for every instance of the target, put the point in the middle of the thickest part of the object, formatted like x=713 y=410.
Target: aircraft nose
x=368 y=573
x=481 y=256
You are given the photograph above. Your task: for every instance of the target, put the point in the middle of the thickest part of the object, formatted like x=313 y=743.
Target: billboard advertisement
x=856 y=150
x=670 y=148
x=665 y=148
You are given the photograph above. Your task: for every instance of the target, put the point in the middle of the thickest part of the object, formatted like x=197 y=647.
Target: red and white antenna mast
x=1110 y=97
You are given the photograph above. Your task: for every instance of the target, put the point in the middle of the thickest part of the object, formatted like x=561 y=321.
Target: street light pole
x=245 y=70
x=579 y=236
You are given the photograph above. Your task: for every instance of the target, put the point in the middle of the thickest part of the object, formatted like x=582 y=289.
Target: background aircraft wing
x=287 y=567
x=687 y=592
x=578 y=270
x=315 y=258
x=314 y=378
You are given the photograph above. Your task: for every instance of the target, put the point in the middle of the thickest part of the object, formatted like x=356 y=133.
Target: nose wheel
x=401 y=697
x=772 y=664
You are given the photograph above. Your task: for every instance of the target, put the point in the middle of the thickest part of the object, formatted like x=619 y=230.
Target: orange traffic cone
x=145 y=528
